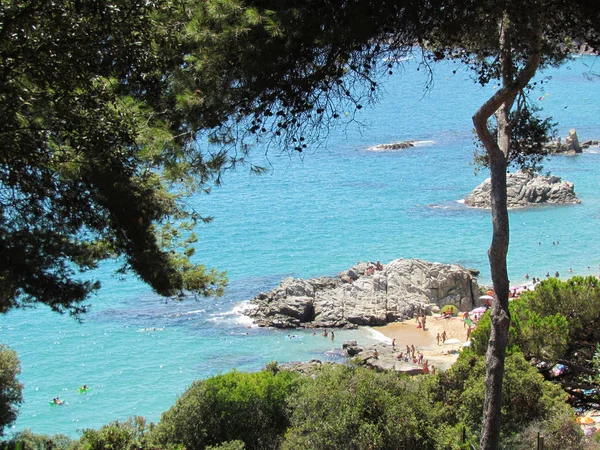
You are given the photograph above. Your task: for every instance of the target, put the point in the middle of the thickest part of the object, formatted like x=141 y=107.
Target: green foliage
x=132 y=434
x=231 y=445
x=460 y=391
x=31 y=441
x=578 y=299
x=351 y=407
x=94 y=154
x=529 y=140
x=535 y=334
x=248 y=407
x=10 y=387
x=560 y=431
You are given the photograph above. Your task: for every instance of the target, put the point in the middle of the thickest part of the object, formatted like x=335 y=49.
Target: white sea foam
x=461 y=201
x=188 y=313
x=236 y=314
x=377 y=335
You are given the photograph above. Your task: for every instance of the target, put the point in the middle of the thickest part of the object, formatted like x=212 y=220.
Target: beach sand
x=441 y=356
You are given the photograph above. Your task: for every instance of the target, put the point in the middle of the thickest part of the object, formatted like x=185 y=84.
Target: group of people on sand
x=414 y=356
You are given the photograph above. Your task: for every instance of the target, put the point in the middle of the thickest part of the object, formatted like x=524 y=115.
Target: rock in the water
x=398 y=290
x=393 y=146
x=526 y=189
x=571 y=145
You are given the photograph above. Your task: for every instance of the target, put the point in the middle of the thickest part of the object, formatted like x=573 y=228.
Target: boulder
x=526 y=189
x=402 y=288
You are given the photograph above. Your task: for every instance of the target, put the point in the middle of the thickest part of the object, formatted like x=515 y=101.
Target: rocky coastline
x=366 y=294
x=526 y=189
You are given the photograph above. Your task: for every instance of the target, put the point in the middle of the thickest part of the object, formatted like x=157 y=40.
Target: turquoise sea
x=314 y=214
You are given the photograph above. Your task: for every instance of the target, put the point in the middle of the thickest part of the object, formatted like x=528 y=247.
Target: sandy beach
x=441 y=356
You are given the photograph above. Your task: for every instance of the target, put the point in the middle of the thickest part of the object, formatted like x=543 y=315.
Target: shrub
x=31 y=441
x=10 y=388
x=527 y=397
x=249 y=407
x=353 y=407
x=536 y=335
x=132 y=434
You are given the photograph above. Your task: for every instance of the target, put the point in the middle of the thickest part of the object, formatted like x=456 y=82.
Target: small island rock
x=526 y=189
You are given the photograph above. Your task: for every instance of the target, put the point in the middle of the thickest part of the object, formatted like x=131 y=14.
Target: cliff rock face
x=526 y=189
x=362 y=297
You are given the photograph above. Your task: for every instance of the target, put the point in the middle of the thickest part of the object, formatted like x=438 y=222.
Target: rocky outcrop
x=363 y=296
x=571 y=145
x=590 y=143
x=394 y=146
x=526 y=189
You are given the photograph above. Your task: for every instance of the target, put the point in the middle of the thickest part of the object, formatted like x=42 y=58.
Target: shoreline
x=441 y=356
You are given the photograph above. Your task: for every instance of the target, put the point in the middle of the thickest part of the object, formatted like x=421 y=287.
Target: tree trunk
x=498 y=149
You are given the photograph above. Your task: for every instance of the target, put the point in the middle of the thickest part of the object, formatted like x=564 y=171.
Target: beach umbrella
x=486 y=297
x=480 y=310
x=449 y=309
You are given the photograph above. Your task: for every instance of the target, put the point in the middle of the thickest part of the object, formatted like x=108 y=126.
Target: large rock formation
x=571 y=145
x=526 y=189
x=366 y=297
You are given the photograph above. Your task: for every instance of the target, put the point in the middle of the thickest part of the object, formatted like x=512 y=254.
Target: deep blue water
x=314 y=214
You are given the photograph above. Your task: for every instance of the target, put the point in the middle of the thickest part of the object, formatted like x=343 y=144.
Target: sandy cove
x=405 y=333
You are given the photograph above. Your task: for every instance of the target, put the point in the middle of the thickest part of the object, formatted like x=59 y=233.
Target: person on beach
x=444 y=337
x=407 y=350
x=378 y=266
x=426 y=367
x=438 y=337
x=423 y=319
x=332 y=336
x=394 y=344
x=399 y=357
x=375 y=354
x=325 y=333
x=412 y=351
x=432 y=369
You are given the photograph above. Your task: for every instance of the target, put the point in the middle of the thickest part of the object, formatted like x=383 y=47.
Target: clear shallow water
x=311 y=216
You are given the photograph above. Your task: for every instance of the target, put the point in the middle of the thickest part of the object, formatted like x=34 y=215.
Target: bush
x=10 y=388
x=577 y=299
x=31 y=441
x=249 y=407
x=133 y=434
x=527 y=397
x=535 y=334
x=352 y=407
